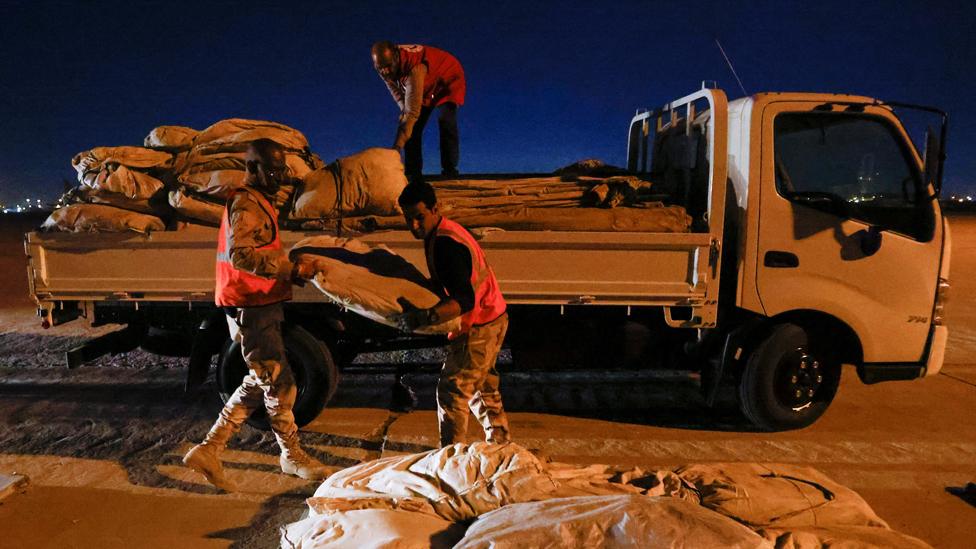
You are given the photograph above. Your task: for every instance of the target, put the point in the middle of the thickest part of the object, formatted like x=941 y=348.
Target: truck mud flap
x=121 y=341
x=872 y=373
x=207 y=341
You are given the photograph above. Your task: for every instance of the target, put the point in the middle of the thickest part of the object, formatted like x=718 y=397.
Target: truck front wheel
x=788 y=382
x=316 y=376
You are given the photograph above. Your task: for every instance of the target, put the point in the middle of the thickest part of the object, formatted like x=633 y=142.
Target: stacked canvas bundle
x=180 y=174
x=213 y=165
x=119 y=190
x=558 y=203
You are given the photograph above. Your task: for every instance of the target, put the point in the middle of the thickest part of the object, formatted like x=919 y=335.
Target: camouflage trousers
x=269 y=380
x=469 y=384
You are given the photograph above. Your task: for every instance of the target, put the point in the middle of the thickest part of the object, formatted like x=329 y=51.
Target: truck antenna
x=731 y=68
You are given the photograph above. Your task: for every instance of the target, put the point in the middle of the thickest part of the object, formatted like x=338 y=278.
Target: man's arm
x=252 y=228
x=395 y=92
x=453 y=266
x=410 y=108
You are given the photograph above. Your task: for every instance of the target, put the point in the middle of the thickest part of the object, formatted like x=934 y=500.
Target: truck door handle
x=781 y=260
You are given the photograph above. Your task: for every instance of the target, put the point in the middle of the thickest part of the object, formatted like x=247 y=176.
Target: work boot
x=295 y=461
x=205 y=459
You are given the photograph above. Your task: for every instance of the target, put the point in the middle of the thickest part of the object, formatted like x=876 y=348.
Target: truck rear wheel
x=316 y=375
x=788 y=382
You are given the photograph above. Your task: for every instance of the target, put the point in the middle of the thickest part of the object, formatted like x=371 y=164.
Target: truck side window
x=853 y=165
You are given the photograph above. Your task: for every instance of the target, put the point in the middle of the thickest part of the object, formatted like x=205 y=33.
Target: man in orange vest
x=468 y=380
x=421 y=79
x=254 y=279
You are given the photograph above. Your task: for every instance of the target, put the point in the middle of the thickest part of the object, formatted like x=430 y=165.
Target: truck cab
x=835 y=250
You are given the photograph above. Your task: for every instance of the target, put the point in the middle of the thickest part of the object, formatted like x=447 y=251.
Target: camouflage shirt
x=251 y=227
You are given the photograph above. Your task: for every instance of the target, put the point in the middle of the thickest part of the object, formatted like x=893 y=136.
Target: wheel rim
x=799 y=376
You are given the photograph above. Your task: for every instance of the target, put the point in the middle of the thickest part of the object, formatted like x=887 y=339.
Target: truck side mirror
x=932 y=155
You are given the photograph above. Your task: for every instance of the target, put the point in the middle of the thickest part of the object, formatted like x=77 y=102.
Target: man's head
x=266 y=167
x=385 y=58
x=419 y=204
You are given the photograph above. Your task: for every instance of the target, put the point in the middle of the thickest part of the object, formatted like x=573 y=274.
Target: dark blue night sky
x=547 y=83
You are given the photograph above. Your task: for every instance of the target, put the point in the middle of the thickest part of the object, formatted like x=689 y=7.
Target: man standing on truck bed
x=421 y=79
x=457 y=263
x=254 y=278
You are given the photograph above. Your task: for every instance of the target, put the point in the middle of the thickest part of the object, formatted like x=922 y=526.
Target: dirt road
x=101 y=444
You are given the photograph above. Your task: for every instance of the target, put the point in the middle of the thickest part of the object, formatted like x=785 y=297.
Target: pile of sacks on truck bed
x=485 y=496
x=182 y=177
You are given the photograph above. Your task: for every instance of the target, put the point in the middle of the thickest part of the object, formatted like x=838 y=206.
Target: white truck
x=817 y=242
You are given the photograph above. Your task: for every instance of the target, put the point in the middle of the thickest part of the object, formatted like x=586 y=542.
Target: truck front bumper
x=937 y=347
x=876 y=372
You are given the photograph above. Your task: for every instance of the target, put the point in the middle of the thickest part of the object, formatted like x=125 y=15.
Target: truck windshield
x=854 y=165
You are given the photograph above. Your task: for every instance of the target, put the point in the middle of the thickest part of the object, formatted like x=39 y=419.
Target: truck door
x=846 y=224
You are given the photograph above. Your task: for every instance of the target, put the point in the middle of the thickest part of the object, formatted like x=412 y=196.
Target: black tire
x=316 y=376
x=788 y=382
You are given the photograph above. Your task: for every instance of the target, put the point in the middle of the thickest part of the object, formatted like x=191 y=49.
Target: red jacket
x=445 y=77
x=488 y=301
x=237 y=288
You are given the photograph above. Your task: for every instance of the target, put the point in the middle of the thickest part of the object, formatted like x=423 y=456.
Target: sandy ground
x=102 y=443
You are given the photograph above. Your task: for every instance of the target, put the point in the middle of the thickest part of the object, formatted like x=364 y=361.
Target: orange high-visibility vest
x=237 y=288
x=445 y=78
x=488 y=301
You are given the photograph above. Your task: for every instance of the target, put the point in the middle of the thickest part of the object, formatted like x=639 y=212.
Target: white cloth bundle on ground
x=842 y=537
x=170 y=138
x=519 y=501
x=82 y=218
x=366 y=183
x=603 y=480
x=370 y=280
x=778 y=496
x=132 y=157
x=381 y=524
x=607 y=521
x=460 y=482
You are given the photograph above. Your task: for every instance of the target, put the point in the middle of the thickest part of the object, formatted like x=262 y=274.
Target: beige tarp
x=195 y=208
x=369 y=280
x=125 y=182
x=92 y=196
x=81 y=218
x=603 y=480
x=608 y=521
x=366 y=183
x=235 y=133
x=778 y=496
x=194 y=161
x=217 y=183
x=171 y=138
x=842 y=537
x=133 y=157
x=660 y=219
x=460 y=482
x=520 y=501
x=374 y=528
